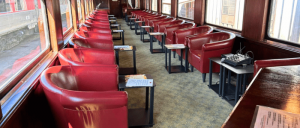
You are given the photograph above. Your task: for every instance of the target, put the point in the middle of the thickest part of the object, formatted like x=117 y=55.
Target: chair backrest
x=181 y=35
x=92 y=43
x=169 y=30
x=162 y=26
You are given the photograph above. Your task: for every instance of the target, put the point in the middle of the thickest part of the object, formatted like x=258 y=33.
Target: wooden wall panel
x=199 y=12
x=159 y=6
x=75 y=14
x=174 y=8
x=254 y=21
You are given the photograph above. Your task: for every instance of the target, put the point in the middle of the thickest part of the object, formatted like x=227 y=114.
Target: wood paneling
x=75 y=14
x=199 y=14
x=159 y=6
x=254 y=21
x=115 y=8
x=174 y=8
x=55 y=27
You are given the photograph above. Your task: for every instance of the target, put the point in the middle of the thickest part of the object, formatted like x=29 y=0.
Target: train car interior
x=150 y=63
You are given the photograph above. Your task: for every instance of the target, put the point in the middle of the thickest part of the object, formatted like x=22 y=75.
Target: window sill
x=13 y=100
x=189 y=20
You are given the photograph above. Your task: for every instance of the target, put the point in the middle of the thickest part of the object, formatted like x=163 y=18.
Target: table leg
x=244 y=83
x=135 y=28
x=169 y=61
x=220 y=79
x=123 y=38
x=166 y=57
x=151 y=44
x=163 y=37
x=151 y=105
x=237 y=88
x=162 y=45
x=186 y=60
x=181 y=50
x=223 y=81
x=141 y=33
x=147 y=98
x=226 y=87
x=134 y=62
x=117 y=57
x=210 y=73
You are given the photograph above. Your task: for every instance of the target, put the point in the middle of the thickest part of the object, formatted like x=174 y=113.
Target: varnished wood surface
x=276 y=87
x=254 y=20
x=199 y=17
x=174 y=8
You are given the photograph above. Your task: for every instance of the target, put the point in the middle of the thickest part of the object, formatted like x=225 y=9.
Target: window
x=79 y=9
x=147 y=4
x=186 y=8
x=154 y=5
x=4 y=6
x=166 y=6
x=226 y=13
x=85 y=6
x=22 y=40
x=284 y=22
x=66 y=16
x=20 y=5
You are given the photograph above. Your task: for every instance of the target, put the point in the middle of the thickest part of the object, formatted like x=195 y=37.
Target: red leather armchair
x=93 y=29
x=161 y=26
x=201 y=48
x=86 y=57
x=92 y=43
x=85 y=96
x=258 y=64
x=181 y=35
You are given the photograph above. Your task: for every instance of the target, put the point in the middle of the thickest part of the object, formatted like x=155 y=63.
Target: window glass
x=284 y=20
x=147 y=4
x=186 y=8
x=226 y=13
x=20 y=5
x=166 y=6
x=66 y=16
x=22 y=40
x=5 y=6
x=154 y=5
x=79 y=9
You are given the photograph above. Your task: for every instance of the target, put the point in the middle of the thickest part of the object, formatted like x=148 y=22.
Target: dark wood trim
x=174 y=10
x=159 y=6
x=75 y=18
x=199 y=12
x=254 y=21
x=54 y=22
x=82 y=10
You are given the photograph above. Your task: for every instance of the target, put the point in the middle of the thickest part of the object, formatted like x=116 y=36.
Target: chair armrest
x=196 y=43
x=98 y=99
x=258 y=64
x=93 y=55
x=101 y=36
x=180 y=36
x=217 y=45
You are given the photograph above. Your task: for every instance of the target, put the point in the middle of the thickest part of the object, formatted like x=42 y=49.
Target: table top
x=133 y=48
x=115 y=25
x=276 y=87
x=132 y=18
x=138 y=21
x=175 y=46
x=146 y=26
x=238 y=70
x=122 y=83
x=156 y=33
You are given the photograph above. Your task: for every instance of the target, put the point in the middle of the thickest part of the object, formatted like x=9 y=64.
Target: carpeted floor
x=181 y=100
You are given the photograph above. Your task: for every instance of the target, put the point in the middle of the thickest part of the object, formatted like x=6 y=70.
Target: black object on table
x=130 y=70
x=224 y=88
x=162 y=50
x=121 y=37
x=177 y=68
x=131 y=23
x=142 y=117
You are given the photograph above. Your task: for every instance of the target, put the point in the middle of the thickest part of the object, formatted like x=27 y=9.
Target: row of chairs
x=83 y=91
x=201 y=42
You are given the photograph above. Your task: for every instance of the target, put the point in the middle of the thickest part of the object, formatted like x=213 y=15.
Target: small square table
x=126 y=71
x=121 y=37
x=137 y=27
x=162 y=50
x=141 y=117
x=142 y=30
x=178 y=68
x=131 y=23
x=241 y=77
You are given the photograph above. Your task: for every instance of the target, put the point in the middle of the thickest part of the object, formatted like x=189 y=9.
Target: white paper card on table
x=175 y=46
x=139 y=83
x=266 y=117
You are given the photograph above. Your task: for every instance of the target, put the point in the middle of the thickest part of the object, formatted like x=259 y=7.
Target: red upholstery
x=161 y=26
x=201 y=48
x=169 y=31
x=84 y=28
x=258 y=64
x=86 y=57
x=181 y=35
x=94 y=35
x=85 y=96
x=92 y=43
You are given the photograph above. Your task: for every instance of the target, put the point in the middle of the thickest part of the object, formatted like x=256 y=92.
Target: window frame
x=268 y=37
x=161 y=7
x=178 y=11
x=152 y=5
x=69 y=30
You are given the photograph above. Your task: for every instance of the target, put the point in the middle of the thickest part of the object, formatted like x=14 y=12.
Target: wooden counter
x=276 y=87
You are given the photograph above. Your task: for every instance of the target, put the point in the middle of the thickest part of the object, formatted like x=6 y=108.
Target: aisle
x=182 y=99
